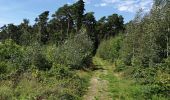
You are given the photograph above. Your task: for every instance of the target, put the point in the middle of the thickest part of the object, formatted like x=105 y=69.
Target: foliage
x=11 y=56
x=75 y=52
x=109 y=26
x=42 y=63
x=145 y=51
x=120 y=65
x=39 y=61
x=59 y=71
x=109 y=49
x=31 y=88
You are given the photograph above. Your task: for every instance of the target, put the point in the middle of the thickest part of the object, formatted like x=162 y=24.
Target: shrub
x=11 y=56
x=59 y=71
x=162 y=83
x=76 y=52
x=166 y=66
x=109 y=49
x=35 y=55
x=6 y=93
x=120 y=66
x=42 y=63
x=50 y=52
x=3 y=68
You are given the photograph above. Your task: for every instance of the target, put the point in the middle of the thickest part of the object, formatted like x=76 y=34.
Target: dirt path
x=106 y=84
x=98 y=89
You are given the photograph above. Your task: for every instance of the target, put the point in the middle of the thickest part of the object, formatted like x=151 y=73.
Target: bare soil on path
x=98 y=89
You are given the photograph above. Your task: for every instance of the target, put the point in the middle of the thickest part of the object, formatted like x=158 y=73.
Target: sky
x=14 y=11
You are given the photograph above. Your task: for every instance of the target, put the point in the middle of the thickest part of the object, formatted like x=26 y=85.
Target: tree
x=3 y=33
x=89 y=23
x=76 y=52
x=166 y=20
x=79 y=12
x=41 y=26
x=64 y=15
x=114 y=24
x=10 y=31
x=101 y=28
x=26 y=35
x=110 y=26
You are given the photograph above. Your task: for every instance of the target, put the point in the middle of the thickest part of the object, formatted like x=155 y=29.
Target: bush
x=50 y=52
x=162 y=84
x=120 y=66
x=3 y=68
x=166 y=66
x=156 y=78
x=59 y=71
x=6 y=93
x=11 y=56
x=109 y=49
x=35 y=56
x=43 y=71
x=42 y=63
x=76 y=52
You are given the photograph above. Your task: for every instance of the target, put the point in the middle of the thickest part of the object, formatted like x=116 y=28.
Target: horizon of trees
x=65 y=23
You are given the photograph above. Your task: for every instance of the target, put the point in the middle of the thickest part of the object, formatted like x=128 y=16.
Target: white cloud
x=127 y=5
x=101 y=5
x=110 y=1
x=69 y=3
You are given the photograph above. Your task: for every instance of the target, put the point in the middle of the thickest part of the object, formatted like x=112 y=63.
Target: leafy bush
x=46 y=72
x=162 y=83
x=35 y=56
x=6 y=93
x=156 y=78
x=120 y=66
x=50 y=52
x=48 y=85
x=109 y=49
x=3 y=68
x=59 y=71
x=11 y=56
x=166 y=65
x=42 y=63
x=76 y=52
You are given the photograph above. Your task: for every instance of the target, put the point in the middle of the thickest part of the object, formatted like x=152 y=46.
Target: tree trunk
x=68 y=26
x=167 y=44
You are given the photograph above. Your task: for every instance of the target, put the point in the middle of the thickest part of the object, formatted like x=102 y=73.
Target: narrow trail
x=98 y=89
x=106 y=84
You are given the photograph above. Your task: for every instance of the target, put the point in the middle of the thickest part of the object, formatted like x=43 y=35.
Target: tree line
x=65 y=23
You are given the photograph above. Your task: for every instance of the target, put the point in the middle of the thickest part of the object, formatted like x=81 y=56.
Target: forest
x=57 y=57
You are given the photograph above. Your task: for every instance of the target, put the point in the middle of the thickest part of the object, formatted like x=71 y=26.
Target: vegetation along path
x=106 y=84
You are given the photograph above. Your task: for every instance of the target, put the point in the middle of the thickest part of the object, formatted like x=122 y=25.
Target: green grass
x=121 y=88
x=50 y=88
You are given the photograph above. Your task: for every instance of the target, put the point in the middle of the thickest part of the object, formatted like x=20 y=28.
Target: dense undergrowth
x=45 y=72
x=136 y=82
x=143 y=52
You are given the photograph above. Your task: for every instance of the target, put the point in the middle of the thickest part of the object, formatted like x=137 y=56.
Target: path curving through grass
x=106 y=84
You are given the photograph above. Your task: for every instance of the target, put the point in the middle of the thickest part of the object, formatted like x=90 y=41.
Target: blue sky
x=14 y=11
